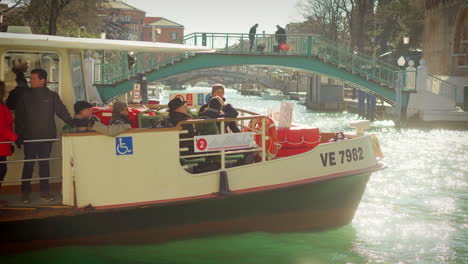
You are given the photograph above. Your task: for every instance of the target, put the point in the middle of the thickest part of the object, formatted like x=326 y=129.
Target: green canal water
x=415 y=211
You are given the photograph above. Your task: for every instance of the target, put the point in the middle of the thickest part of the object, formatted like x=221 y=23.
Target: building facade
x=446 y=37
x=117 y=14
x=161 y=30
x=446 y=42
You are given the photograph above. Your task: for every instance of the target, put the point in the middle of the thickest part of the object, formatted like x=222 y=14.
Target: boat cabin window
x=77 y=77
x=47 y=61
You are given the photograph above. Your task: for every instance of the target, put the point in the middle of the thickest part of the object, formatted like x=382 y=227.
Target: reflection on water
x=415 y=211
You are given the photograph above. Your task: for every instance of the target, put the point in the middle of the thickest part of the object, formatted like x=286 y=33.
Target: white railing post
x=410 y=76
x=223 y=159
x=263 y=140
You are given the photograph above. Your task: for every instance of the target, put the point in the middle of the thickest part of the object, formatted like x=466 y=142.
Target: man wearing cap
x=83 y=119
x=178 y=113
x=120 y=114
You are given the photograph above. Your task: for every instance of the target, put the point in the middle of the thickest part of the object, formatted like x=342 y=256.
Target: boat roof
x=16 y=39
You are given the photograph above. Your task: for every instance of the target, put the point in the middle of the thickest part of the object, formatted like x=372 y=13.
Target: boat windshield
x=27 y=61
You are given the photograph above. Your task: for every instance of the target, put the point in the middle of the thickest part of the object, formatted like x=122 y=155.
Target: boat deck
x=37 y=208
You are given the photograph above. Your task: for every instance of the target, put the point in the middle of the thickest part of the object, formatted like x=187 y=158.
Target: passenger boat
x=139 y=187
x=271 y=94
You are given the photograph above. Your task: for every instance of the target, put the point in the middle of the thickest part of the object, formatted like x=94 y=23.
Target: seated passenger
x=218 y=90
x=218 y=109
x=178 y=113
x=338 y=136
x=85 y=121
x=120 y=114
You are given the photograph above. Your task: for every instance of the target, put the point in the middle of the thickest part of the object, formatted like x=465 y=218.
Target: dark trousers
x=40 y=150
x=3 y=168
x=252 y=40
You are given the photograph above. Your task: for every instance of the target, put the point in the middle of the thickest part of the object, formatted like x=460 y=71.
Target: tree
x=325 y=16
x=365 y=25
x=57 y=17
x=56 y=6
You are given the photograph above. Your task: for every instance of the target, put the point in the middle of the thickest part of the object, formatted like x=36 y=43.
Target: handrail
x=432 y=76
x=30 y=160
x=33 y=140
x=202 y=121
x=32 y=179
x=450 y=92
x=223 y=153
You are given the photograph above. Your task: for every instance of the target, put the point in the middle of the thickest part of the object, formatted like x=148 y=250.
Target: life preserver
x=271 y=142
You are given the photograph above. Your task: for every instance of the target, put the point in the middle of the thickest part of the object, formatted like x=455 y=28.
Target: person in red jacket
x=6 y=134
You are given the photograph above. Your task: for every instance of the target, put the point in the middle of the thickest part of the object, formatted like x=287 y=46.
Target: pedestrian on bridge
x=252 y=32
x=280 y=35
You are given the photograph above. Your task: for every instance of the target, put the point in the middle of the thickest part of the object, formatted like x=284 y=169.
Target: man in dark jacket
x=280 y=35
x=178 y=113
x=34 y=120
x=19 y=68
x=252 y=32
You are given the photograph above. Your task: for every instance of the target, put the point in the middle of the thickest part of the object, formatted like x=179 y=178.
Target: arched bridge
x=304 y=52
x=211 y=73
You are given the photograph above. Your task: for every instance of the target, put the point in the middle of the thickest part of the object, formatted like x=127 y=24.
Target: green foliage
x=371 y=26
x=69 y=16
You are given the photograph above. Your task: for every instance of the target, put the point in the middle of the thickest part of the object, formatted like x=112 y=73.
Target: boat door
x=65 y=77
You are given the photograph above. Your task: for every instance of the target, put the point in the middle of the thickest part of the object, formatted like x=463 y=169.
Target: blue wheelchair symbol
x=124 y=146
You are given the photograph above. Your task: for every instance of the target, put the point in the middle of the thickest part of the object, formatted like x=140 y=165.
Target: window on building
x=174 y=36
x=47 y=61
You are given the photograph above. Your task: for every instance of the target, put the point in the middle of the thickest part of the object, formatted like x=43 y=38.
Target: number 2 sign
x=201 y=144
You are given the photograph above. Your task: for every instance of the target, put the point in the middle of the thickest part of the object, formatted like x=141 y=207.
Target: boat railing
x=30 y=160
x=240 y=121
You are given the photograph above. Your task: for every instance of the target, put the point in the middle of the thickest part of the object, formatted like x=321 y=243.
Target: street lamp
x=401 y=61
x=406 y=39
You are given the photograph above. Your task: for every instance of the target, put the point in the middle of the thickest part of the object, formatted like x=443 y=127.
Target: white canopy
x=35 y=40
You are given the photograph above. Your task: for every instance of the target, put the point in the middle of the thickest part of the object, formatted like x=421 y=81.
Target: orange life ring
x=271 y=145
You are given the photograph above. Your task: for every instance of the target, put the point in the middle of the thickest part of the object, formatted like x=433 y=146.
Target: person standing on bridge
x=252 y=32
x=280 y=35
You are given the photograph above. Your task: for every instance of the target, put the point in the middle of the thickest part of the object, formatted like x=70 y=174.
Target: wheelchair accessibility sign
x=123 y=146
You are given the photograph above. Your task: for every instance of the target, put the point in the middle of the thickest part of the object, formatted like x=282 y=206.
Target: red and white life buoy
x=271 y=144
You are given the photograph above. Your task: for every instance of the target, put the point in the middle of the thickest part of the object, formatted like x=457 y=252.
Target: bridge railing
x=116 y=68
x=301 y=45
x=240 y=43
x=120 y=66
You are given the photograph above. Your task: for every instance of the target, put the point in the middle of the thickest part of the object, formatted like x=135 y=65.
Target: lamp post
x=406 y=41
x=399 y=90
